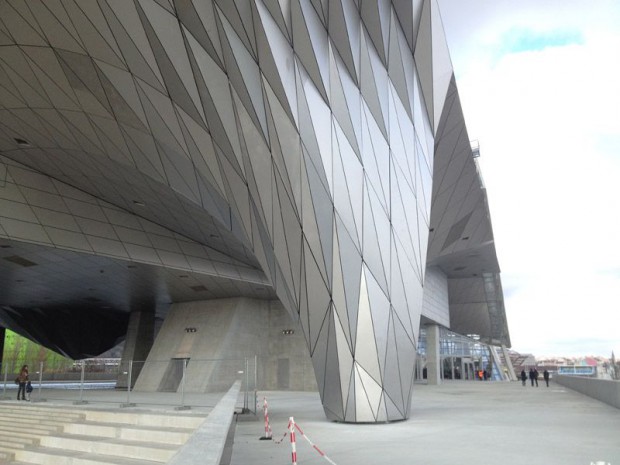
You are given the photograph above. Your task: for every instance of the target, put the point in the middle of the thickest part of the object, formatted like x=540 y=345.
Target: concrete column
x=138 y=343
x=433 y=358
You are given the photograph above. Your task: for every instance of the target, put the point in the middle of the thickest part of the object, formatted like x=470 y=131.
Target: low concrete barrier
x=605 y=390
x=206 y=446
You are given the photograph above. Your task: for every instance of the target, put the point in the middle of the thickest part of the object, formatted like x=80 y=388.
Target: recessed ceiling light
x=131 y=266
x=183 y=276
x=465 y=238
x=22 y=142
x=214 y=235
x=139 y=203
x=4 y=246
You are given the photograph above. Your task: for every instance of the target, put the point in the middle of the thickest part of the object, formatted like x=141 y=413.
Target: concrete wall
x=435 y=304
x=605 y=390
x=226 y=332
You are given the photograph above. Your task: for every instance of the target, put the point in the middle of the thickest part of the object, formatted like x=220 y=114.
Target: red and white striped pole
x=291 y=430
x=268 y=434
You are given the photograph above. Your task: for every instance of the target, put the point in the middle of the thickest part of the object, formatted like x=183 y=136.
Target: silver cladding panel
x=295 y=137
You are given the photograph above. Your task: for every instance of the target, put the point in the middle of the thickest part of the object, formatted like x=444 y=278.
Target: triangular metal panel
x=372 y=389
x=304 y=46
x=344 y=30
x=318 y=294
x=338 y=293
x=370 y=88
x=168 y=45
x=346 y=169
x=363 y=411
x=19 y=24
x=391 y=375
x=372 y=251
x=424 y=58
x=380 y=311
x=376 y=18
x=58 y=34
x=332 y=394
x=442 y=65
x=282 y=53
x=366 y=351
x=120 y=89
x=338 y=103
x=244 y=75
x=279 y=10
x=351 y=263
x=323 y=215
x=285 y=146
x=123 y=18
x=206 y=18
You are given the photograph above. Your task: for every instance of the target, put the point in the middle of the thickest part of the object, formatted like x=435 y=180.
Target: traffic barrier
x=292 y=426
x=268 y=433
x=291 y=430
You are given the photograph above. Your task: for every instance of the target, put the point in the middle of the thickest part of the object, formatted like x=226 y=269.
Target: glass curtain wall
x=462 y=357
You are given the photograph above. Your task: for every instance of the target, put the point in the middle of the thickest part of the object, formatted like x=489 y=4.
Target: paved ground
x=460 y=422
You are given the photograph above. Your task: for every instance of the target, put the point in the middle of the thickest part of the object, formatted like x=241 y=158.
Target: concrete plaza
x=459 y=422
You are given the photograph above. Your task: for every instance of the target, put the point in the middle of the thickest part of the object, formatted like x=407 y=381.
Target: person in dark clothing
x=22 y=379
x=546 y=376
x=523 y=377
x=532 y=377
x=536 y=376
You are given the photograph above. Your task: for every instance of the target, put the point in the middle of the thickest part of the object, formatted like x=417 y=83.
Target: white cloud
x=548 y=122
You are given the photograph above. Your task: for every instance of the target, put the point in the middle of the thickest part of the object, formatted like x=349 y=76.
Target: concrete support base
x=138 y=343
x=215 y=342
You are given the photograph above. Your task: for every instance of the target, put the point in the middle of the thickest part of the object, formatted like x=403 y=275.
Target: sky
x=539 y=83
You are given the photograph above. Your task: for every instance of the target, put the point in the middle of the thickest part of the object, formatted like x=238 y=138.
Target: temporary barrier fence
x=290 y=431
x=268 y=434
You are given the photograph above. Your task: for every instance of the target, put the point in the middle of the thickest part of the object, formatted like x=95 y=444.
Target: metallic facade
x=283 y=147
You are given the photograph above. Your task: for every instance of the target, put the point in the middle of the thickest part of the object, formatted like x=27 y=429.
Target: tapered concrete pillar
x=138 y=343
x=511 y=370
x=433 y=359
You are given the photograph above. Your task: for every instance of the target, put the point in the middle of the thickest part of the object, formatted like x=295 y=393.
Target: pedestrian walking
x=546 y=376
x=523 y=377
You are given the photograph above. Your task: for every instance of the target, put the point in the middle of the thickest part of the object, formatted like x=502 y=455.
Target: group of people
x=534 y=377
x=24 y=384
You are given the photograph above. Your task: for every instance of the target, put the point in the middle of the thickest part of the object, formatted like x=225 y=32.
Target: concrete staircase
x=55 y=435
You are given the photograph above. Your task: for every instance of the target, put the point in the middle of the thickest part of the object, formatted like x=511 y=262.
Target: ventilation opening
x=22 y=142
x=198 y=288
x=20 y=261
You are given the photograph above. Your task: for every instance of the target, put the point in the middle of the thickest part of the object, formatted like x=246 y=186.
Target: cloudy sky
x=540 y=87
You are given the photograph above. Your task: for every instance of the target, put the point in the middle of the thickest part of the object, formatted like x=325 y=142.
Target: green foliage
x=20 y=351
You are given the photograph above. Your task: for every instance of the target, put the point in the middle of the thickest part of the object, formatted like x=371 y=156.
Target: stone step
x=191 y=421
x=43 y=429
x=34 y=420
x=11 y=439
x=6 y=457
x=116 y=447
x=177 y=436
x=11 y=432
x=67 y=457
x=31 y=414
x=60 y=411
